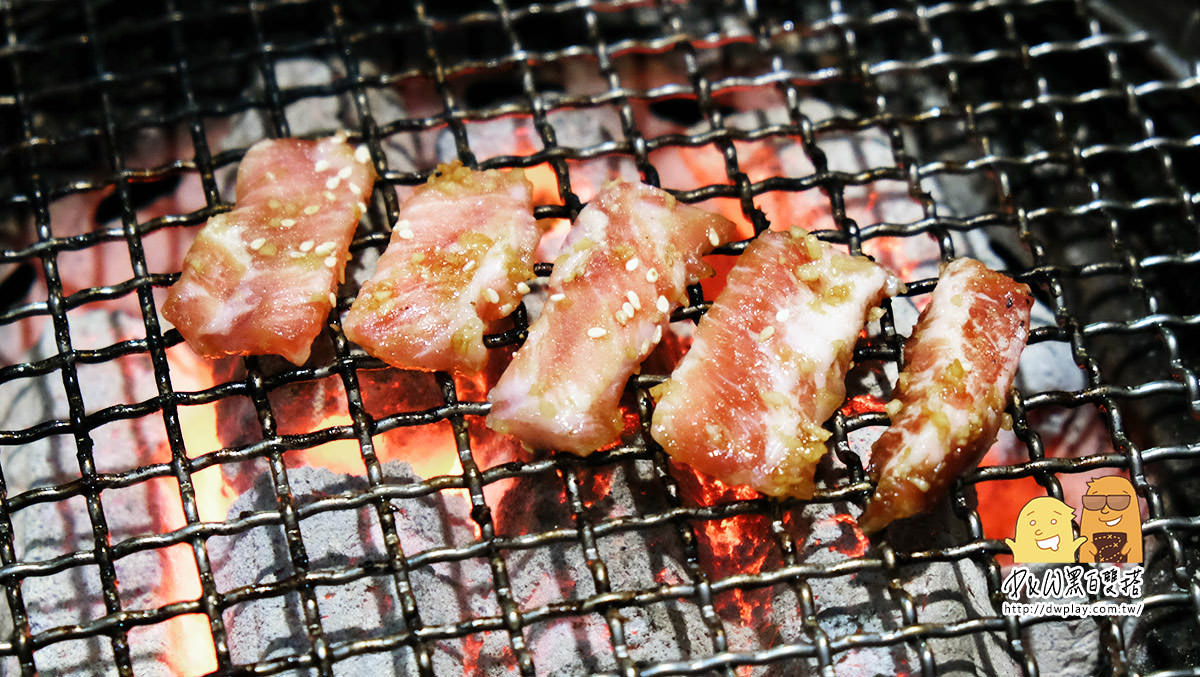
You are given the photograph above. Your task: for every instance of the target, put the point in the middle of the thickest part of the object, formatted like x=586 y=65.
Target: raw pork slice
x=459 y=258
x=260 y=279
x=624 y=266
x=959 y=365
x=768 y=363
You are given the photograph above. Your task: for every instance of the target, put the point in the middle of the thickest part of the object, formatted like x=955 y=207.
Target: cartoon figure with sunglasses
x=1111 y=522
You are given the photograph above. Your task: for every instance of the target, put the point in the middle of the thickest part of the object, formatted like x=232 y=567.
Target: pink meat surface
x=624 y=266
x=459 y=259
x=768 y=364
x=949 y=400
x=260 y=279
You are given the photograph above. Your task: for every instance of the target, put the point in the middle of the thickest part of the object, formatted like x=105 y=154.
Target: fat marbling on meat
x=623 y=268
x=261 y=278
x=768 y=363
x=459 y=258
x=949 y=401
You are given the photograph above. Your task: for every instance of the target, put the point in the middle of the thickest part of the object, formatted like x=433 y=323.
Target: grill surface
x=1070 y=131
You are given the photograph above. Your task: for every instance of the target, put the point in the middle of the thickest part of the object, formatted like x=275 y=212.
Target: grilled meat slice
x=260 y=279
x=959 y=366
x=459 y=258
x=624 y=266
x=768 y=363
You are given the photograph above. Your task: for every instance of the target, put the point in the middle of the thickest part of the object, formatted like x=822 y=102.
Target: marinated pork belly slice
x=260 y=279
x=768 y=363
x=459 y=258
x=959 y=365
x=624 y=266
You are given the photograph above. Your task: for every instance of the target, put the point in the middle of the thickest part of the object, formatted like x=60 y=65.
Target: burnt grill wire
x=1076 y=130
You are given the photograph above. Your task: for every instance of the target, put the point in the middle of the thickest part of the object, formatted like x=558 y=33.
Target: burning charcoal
x=309 y=115
x=942 y=592
x=446 y=592
x=47 y=530
x=635 y=560
x=315 y=115
x=1069 y=647
x=517 y=136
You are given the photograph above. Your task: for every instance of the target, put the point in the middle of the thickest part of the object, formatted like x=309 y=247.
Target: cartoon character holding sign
x=1111 y=522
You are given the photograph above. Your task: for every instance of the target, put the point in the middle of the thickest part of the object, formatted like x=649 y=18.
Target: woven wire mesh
x=1080 y=145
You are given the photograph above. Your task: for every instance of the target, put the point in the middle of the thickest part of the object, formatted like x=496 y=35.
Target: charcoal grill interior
x=1072 y=136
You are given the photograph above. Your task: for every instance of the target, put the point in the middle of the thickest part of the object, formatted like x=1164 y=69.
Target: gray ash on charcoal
x=673 y=629
x=50 y=529
x=338 y=540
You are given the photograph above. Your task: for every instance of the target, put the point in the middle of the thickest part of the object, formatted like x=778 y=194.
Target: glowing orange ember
x=863 y=404
x=741 y=544
x=429 y=449
x=192 y=651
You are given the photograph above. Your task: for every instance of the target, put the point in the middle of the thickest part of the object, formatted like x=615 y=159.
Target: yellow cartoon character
x=1111 y=522
x=1043 y=532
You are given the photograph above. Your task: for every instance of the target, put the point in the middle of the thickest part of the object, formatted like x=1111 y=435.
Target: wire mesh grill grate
x=1076 y=141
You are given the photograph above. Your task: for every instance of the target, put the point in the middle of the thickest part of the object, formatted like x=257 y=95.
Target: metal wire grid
x=872 y=52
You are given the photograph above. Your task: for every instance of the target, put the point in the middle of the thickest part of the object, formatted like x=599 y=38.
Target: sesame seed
x=330 y=196
x=257 y=243
x=522 y=288
x=383 y=294
x=345 y=172
x=652 y=275
x=330 y=261
x=658 y=333
x=362 y=155
x=274 y=204
x=307 y=245
x=634 y=300
x=418 y=257
x=354 y=188
x=332 y=182
x=713 y=237
x=362 y=207
x=332 y=299
x=645 y=347
x=620 y=316
x=321 y=165
x=632 y=264
x=311 y=209
x=325 y=247
x=404 y=233
x=492 y=295
x=470 y=265
x=597 y=332
x=782 y=315
x=295 y=254
x=766 y=333
x=558 y=297
x=662 y=304
x=287 y=223
x=627 y=308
